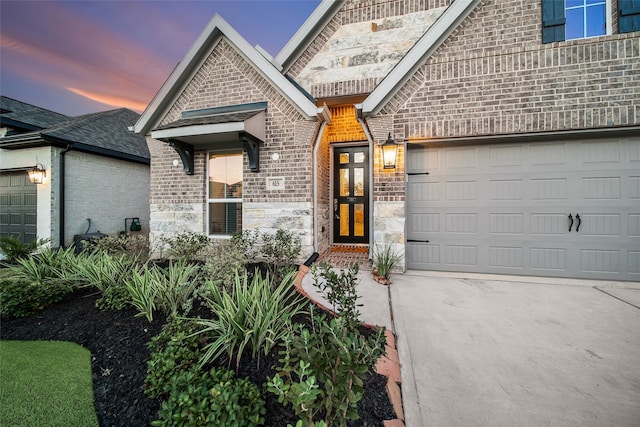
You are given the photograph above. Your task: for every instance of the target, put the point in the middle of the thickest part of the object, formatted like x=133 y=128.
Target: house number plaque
x=275 y=183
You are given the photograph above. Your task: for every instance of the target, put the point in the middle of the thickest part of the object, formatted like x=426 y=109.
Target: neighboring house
x=519 y=151
x=96 y=173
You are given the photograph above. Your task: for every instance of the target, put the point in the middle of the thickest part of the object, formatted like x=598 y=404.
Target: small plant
x=339 y=288
x=176 y=349
x=223 y=258
x=384 y=261
x=169 y=290
x=251 y=317
x=13 y=248
x=335 y=357
x=20 y=298
x=185 y=246
x=215 y=398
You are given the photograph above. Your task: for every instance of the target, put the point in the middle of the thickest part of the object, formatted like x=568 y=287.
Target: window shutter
x=552 y=21
x=628 y=16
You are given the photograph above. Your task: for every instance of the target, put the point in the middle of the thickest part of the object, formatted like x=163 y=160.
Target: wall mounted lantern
x=37 y=174
x=389 y=153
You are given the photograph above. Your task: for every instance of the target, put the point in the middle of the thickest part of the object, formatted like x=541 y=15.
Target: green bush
x=176 y=349
x=251 y=317
x=48 y=265
x=340 y=290
x=184 y=246
x=20 y=298
x=169 y=290
x=323 y=369
x=215 y=398
x=13 y=248
x=135 y=246
x=278 y=250
x=223 y=258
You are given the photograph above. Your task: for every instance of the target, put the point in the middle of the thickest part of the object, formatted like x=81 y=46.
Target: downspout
x=62 y=191
x=316 y=148
x=367 y=132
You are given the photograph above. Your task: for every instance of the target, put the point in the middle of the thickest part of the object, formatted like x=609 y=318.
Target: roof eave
x=424 y=47
x=182 y=74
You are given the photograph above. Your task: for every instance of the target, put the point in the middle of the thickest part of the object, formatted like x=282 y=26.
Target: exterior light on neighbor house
x=38 y=174
x=389 y=153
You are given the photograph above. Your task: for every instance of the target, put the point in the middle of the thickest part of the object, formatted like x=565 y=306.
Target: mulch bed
x=117 y=341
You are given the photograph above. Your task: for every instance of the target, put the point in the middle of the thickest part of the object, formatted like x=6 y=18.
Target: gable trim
x=202 y=47
x=424 y=47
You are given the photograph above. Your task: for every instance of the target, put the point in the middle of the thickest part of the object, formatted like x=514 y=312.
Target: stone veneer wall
x=389 y=227
x=361 y=43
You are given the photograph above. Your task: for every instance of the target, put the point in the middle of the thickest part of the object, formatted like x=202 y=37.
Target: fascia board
x=182 y=74
x=424 y=47
x=307 y=32
x=198 y=130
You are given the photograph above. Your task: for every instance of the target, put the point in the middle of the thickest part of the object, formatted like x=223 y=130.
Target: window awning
x=220 y=127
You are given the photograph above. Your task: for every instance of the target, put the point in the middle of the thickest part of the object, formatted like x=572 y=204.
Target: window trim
x=219 y=200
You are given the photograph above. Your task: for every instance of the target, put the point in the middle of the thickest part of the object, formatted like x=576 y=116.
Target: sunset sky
x=78 y=57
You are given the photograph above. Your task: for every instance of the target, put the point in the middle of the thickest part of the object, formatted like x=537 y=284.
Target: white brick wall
x=105 y=190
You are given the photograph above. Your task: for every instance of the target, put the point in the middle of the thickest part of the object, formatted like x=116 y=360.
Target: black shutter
x=552 y=21
x=628 y=16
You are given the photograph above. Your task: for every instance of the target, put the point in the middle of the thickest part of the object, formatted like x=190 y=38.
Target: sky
x=79 y=57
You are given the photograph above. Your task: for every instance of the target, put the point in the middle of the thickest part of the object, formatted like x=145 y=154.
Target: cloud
x=111 y=100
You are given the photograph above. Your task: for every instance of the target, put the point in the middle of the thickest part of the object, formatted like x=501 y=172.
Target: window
x=224 y=194
x=575 y=19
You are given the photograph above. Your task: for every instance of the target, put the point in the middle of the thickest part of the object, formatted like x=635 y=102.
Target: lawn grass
x=45 y=383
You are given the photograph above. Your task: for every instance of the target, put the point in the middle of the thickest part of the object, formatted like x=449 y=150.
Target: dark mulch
x=117 y=341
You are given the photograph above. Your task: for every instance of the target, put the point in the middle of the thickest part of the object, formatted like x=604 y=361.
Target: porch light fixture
x=37 y=174
x=389 y=153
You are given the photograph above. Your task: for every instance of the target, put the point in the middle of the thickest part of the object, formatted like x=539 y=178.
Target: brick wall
x=494 y=76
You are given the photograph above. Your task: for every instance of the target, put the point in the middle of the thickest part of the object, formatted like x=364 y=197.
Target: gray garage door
x=563 y=209
x=18 y=206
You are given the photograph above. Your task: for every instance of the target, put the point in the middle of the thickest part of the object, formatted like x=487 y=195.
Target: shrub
x=215 y=398
x=185 y=246
x=19 y=297
x=169 y=290
x=133 y=246
x=47 y=266
x=385 y=260
x=251 y=317
x=176 y=349
x=278 y=250
x=108 y=273
x=335 y=357
x=340 y=291
x=13 y=248
x=223 y=258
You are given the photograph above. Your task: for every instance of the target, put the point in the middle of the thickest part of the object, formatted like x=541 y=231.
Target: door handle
x=571 y=223
x=579 y=222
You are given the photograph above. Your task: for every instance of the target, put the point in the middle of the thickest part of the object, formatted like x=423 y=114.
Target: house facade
x=516 y=126
x=96 y=174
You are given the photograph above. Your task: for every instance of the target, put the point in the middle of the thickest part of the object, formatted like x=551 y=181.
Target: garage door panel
x=18 y=200
x=505 y=208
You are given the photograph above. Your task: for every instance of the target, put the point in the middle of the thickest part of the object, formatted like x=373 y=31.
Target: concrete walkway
x=513 y=351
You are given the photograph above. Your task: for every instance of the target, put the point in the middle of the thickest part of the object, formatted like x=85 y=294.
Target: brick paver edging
x=387 y=365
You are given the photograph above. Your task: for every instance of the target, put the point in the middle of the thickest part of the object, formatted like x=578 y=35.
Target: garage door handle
x=571 y=223
x=579 y=222
x=417 y=241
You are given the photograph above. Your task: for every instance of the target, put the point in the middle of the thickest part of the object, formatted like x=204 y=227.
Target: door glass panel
x=358 y=181
x=344 y=183
x=344 y=158
x=358 y=157
x=358 y=218
x=344 y=220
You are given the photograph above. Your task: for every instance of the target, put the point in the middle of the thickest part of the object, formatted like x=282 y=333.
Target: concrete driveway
x=517 y=351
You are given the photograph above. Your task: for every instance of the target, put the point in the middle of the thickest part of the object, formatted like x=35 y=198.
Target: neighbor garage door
x=564 y=209
x=18 y=206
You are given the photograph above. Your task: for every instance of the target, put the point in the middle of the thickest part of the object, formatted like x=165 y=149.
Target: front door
x=351 y=195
